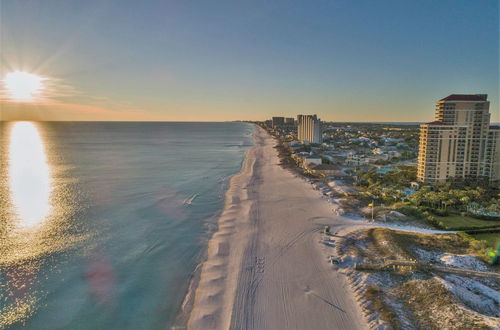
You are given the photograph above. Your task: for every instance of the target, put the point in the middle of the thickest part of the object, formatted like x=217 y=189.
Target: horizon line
x=214 y=121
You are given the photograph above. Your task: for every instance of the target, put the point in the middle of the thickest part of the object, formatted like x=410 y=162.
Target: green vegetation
x=285 y=155
x=458 y=222
x=391 y=244
x=446 y=197
x=385 y=188
x=436 y=199
x=492 y=239
x=410 y=210
x=402 y=244
x=405 y=155
x=430 y=309
x=448 y=206
x=388 y=243
x=410 y=290
x=400 y=177
x=376 y=296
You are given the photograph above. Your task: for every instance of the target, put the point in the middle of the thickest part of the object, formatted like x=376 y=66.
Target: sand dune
x=264 y=268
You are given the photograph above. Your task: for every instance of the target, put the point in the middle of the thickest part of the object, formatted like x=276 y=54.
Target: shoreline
x=214 y=290
x=186 y=308
x=264 y=267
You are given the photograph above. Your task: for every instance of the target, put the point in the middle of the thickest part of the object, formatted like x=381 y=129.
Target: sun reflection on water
x=41 y=207
x=29 y=175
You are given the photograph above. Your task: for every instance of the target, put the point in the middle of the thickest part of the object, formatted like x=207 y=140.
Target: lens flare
x=29 y=176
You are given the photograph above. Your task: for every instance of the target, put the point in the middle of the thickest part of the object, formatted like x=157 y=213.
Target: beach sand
x=265 y=268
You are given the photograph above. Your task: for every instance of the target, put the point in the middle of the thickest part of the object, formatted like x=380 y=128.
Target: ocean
x=102 y=224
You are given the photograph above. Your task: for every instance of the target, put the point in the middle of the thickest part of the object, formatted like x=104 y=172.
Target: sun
x=23 y=86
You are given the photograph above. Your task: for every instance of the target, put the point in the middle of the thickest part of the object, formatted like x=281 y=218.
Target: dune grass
x=401 y=245
x=375 y=295
x=434 y=307
x=492 y=239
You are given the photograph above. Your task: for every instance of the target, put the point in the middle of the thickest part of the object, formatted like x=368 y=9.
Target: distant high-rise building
x=460 y=143
x=278 y=121
x=289 y=121
x=309 y=128
x=492 y=163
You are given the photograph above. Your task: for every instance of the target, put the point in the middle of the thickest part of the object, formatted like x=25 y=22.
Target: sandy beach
x=265 y=268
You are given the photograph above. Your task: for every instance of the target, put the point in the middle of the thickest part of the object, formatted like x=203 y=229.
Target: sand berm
x=264 y=268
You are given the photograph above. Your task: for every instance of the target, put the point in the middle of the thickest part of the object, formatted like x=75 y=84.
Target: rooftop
x=466 y=97
x=325 y=167
x=437 y=122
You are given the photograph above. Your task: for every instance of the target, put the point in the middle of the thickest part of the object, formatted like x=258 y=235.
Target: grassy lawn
x=457 y=221
x=491 y=238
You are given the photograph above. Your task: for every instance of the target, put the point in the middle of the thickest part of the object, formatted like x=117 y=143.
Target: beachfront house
x=325 y=169
x=354 y=159
x=312 y=160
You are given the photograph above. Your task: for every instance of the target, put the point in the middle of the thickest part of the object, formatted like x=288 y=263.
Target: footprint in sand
x=259 y=261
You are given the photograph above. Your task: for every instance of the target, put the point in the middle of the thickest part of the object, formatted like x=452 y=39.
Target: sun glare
x=29 y=177
x=23 y=86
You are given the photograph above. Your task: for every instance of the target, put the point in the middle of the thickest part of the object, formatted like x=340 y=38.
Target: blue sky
x=224 y=60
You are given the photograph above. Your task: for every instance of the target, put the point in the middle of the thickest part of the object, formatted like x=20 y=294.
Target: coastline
x=218 y=273
x=185 y=309
x=264 y=267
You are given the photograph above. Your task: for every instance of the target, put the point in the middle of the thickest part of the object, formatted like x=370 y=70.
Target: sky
x=349 y=60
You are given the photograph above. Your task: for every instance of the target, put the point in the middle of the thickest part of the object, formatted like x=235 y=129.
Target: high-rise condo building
x=309 y=128
x=460 y=143
x=278 y=121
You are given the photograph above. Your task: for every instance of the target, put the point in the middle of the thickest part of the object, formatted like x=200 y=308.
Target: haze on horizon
x=228 y=60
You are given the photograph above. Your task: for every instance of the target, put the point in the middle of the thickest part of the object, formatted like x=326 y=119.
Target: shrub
x=484 y=217
x=411 y=211
x=464 y=235
x=440 y=212
x=479 y=245
x=432 y=220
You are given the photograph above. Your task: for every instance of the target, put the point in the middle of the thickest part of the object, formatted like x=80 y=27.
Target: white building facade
x=309 y=128
x=460 y=143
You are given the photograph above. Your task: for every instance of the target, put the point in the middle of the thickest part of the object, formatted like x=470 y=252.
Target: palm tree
x=465 y=201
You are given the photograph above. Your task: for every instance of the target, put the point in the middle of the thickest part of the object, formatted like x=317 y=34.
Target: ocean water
x=102 y=224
